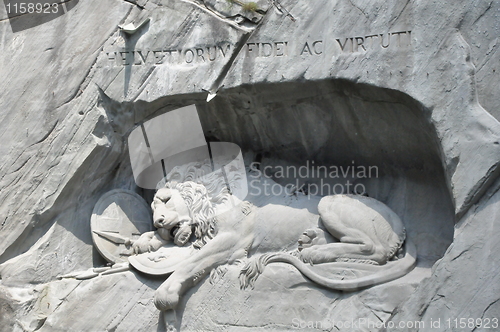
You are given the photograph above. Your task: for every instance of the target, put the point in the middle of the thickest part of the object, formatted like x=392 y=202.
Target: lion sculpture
x=366 y=232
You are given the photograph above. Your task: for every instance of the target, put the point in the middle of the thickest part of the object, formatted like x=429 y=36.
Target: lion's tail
x=397 y=269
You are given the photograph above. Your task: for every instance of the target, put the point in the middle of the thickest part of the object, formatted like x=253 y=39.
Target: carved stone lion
x=367 y=232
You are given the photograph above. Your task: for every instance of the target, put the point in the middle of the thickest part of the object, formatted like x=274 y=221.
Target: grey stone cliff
x=408 y=86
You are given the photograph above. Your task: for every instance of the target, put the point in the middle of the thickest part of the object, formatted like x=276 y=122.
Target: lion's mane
x=201 y=209
x=202 y=173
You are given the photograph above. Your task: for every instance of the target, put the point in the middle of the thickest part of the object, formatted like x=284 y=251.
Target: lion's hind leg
x=341 y=217
x=354 y=245
x=340 y=251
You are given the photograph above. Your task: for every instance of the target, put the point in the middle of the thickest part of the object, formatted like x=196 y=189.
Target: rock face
x=408 y=88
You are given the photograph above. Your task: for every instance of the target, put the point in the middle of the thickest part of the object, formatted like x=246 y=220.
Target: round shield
x=119 y=218
x=162 y=262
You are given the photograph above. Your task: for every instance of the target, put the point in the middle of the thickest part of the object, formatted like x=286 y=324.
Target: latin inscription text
x=261 y=49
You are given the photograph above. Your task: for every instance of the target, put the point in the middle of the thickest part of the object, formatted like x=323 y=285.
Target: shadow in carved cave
x=316 y=126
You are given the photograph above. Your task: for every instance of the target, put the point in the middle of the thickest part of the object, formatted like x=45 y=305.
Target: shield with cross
x=118 y=219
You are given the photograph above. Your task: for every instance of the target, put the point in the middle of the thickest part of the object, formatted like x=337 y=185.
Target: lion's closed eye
x=163 y=196
x=162 y=199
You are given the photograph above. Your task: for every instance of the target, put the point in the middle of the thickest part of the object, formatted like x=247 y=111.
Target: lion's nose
x=159 y=222
x=164 y=219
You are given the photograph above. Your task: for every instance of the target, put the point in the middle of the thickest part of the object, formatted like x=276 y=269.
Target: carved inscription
x=260 y=49
x=398 y=39
x=267 y=50
x=194 y=55
x=313 y=48
x=366 y=43
x=382 y=40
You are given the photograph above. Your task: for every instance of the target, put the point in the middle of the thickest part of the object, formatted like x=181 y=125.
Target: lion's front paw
x=141 y=245
x=148 y=242
x=167 y=296
x=164 y=302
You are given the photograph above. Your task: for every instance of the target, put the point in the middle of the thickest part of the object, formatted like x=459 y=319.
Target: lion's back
x=277 y=227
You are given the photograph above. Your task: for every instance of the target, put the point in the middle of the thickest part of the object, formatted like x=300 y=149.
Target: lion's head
x=189 y=198
x=183 y=208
